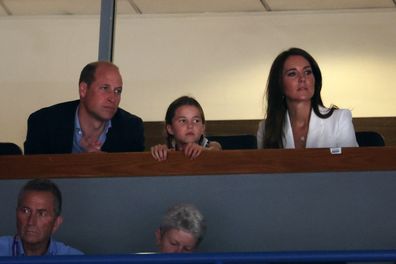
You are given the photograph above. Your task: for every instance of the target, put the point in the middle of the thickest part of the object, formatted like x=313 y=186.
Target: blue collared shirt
x=12 y=246
x=78 y=134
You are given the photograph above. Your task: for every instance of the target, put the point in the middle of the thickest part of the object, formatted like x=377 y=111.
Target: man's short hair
x=87 y=74
x=43 y=185
x=185 y=217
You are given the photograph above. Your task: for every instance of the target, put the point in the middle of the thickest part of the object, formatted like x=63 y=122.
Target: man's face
x=36 y=218
x=102 y=97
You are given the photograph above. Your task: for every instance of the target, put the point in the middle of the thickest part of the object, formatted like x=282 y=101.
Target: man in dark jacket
x=93 y=123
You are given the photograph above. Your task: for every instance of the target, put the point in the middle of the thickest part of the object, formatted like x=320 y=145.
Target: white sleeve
x=346 y=131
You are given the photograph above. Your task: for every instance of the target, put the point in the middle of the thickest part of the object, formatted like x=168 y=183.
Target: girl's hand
x=192 y=150
x=159 y=152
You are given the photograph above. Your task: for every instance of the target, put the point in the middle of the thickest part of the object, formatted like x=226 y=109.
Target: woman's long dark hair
x=276 y=102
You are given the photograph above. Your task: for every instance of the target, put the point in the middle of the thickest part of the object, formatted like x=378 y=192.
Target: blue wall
x=261 y=212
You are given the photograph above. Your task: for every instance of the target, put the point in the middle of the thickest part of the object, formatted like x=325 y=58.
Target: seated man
x=38 y=217
x=181 y=230
x=93 y=123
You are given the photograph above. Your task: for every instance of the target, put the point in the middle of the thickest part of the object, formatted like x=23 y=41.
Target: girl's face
x=187 y=126
x=298 y=79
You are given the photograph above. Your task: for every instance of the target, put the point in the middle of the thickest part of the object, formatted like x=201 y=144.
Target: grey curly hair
x=185 y=217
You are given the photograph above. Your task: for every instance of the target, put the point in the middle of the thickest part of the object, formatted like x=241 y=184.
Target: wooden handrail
x=91 y=165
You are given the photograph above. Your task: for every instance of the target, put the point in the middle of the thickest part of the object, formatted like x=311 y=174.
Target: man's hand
x=90 y=144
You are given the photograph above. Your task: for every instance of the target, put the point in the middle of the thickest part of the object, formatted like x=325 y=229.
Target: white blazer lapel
x=288 y=141
x=315 y=131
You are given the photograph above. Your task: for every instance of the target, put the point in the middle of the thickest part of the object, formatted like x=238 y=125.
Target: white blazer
x=335 y=131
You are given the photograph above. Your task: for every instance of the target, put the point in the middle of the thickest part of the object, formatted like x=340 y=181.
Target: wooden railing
x=209 y=163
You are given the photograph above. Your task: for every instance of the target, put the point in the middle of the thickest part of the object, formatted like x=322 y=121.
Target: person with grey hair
x=38 y=216
x=182 y=229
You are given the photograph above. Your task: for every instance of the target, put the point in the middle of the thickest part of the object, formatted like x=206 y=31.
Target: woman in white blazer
x=296 y=116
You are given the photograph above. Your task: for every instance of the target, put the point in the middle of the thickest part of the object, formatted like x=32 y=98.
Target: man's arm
x=36 y=142
x=126 y=134
x=140 y=135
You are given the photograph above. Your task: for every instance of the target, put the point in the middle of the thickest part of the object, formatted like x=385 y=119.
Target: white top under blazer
x=334 y=131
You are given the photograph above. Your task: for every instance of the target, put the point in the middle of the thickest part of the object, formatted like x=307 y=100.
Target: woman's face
x=298 y=79
x=175 y=241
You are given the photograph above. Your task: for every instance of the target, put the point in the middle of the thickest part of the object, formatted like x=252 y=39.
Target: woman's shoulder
x=338 y=112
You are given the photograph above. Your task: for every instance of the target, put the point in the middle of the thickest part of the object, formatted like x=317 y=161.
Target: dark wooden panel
x=386 y=126
x=154 y=133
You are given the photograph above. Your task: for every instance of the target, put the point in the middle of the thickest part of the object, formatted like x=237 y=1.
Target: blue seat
x=10 y=149
x=369 y=139
x=235 y=141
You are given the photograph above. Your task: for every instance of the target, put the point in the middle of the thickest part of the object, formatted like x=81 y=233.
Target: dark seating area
x=235 y=141
x=230 y=142
x=10 y=149
x=247 y=141
x=369 y=139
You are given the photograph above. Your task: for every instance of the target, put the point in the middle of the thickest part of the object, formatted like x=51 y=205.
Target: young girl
x=185 y=128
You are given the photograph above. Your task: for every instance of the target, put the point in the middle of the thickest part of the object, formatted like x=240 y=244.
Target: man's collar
x=77 y=125
x=18 y=250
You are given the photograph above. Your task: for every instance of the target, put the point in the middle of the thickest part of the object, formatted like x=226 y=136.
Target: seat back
x=369 y=139
x=235 y=141
x=10 y=149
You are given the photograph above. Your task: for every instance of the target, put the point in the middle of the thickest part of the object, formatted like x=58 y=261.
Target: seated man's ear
x=82 y=89
x=58 y=222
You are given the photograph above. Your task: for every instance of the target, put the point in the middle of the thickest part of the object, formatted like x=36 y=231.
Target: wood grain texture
x=209 y=163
